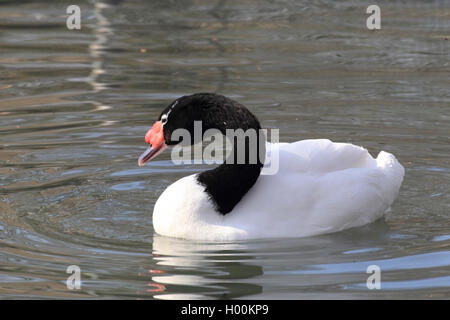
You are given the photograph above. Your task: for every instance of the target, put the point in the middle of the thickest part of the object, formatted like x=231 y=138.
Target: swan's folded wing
x=321 y=155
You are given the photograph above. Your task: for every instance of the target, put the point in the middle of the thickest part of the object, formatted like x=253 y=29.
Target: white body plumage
x=321 y=187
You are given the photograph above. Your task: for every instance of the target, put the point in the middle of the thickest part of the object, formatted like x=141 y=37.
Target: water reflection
x=102 y=30
x=220 y=269
x=244 y=268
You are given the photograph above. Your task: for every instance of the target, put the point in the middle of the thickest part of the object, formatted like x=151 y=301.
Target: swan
x=320 y=186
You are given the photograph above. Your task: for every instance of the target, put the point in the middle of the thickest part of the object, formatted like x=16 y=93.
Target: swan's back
x=321 y=187
x=320 y=156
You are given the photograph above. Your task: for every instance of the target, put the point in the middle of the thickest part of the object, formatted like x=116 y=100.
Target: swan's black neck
x=228 y=183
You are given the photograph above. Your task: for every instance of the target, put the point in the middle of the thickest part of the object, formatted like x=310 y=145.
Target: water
x=75 y=105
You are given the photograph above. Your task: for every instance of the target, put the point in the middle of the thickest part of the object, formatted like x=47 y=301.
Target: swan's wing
x=319 y=155
x=295 y=203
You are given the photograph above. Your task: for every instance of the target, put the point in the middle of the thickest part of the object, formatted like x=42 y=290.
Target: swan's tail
x=394 y=172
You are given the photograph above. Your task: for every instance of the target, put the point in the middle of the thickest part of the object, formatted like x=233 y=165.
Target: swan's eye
x=164 y=118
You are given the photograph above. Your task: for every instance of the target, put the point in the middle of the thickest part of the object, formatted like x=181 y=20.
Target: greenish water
x=75 y=105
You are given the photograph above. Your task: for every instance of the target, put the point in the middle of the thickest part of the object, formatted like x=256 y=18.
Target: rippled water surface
x=75 y=105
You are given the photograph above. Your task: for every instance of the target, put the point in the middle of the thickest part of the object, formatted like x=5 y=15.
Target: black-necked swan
x=320 y=186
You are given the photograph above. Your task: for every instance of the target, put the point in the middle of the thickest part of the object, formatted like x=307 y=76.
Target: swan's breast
x=184 y=211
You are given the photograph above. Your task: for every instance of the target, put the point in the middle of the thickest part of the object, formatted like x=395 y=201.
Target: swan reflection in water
x=188 y=269
x=204 y=270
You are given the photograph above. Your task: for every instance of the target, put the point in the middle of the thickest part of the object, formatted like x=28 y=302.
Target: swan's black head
x=215 y=111
x=228 y=183
x=183 y=112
